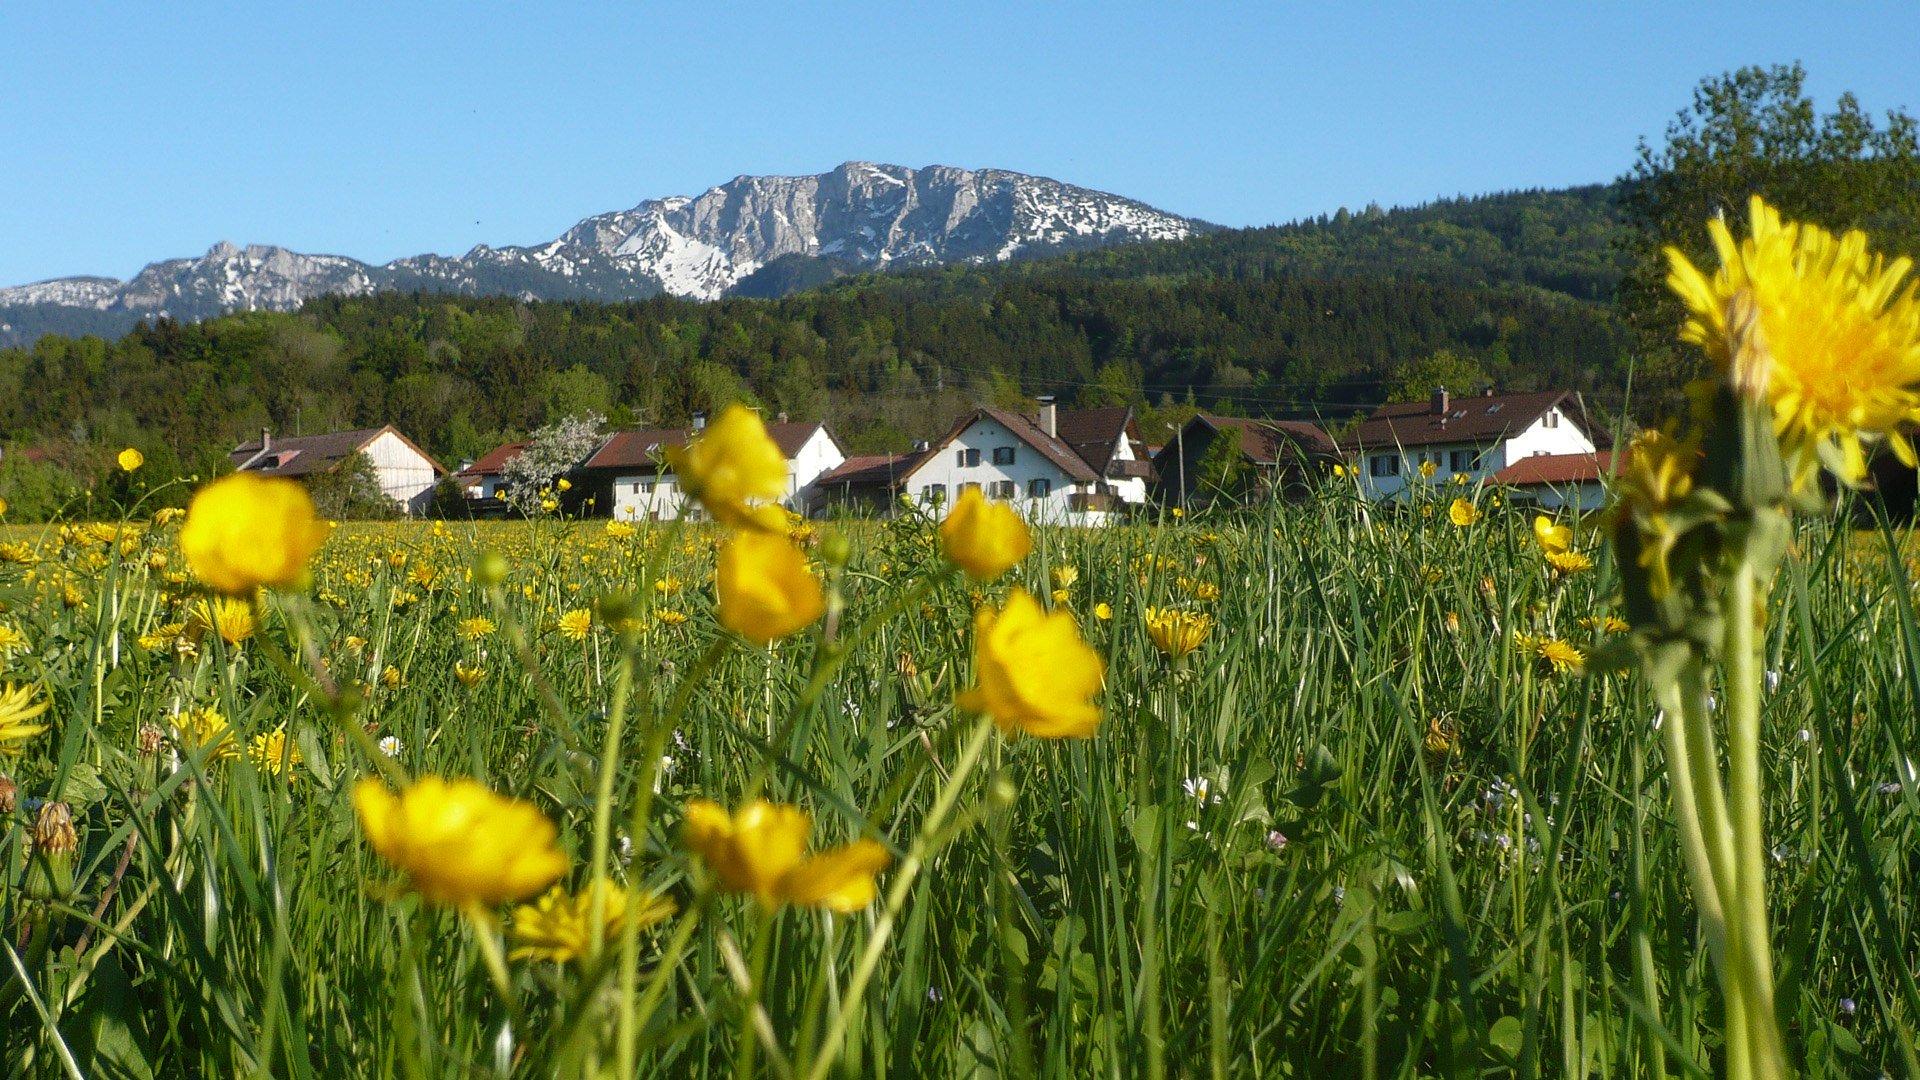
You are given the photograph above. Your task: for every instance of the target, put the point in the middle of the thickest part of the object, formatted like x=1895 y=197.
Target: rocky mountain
x=755 y=235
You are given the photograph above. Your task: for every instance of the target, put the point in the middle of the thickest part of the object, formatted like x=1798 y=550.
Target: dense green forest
x=1318 y=318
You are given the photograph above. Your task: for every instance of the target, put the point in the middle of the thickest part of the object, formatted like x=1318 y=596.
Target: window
x=966 y=459
x=1002 y=489
x=1039 y=489
x=1003 y=455
x=1385 y=465
x=1460 y=460
x=934 y=494
x=1553 y=419
x=644 y=486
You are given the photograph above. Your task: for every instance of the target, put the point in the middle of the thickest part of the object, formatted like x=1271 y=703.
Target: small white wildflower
x=1773 y=681
x=391 y=746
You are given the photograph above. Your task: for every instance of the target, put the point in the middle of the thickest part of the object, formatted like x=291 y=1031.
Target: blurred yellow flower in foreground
x=559 y=927
x=984 y=539
x=460 y=843
x=130 y=459
x=17 y=706
x=1462 y=513
x=246 y=530
x=1549 y=536
x=766 y=591
x=735 y=469
x=1035 y=674
x=1176 y=632
x=1841 y=335
x=761 y=849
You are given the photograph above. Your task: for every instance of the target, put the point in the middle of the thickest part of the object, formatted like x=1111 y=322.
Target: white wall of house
x=647 y=497
x=406 y=476
x=1552 y=433
x=815 y=458
x=948 y=470
x=488 y=486
x=1130 y=489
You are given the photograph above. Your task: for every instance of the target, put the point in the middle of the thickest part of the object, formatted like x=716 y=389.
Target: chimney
x=1440 y=402
x=1049 y=417
x=266 y=440
x=1488 y=392
x=780 y=418
x=921 y=446
x=699 y=420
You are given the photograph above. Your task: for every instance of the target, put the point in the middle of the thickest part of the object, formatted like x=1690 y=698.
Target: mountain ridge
x=857 y=216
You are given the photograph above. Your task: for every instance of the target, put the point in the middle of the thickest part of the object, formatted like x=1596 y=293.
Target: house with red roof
x=1554 y=481
x=487 y=477
x=1406 y=443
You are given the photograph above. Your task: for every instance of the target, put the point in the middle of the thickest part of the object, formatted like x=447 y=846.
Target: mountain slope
x=860 y=216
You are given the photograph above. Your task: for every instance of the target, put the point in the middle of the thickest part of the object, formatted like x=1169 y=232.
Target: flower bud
x=491 y=569
x=53 y=830
x=8 y=792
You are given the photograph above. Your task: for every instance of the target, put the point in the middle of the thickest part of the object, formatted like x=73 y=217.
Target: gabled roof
x=305 y=455
x=1466 y=420
x=1057 y=453
x=1557 y=469
x=869 y=470
x=644 y=449
x=1264 y=442
x=494 y=461
x=1095 y=434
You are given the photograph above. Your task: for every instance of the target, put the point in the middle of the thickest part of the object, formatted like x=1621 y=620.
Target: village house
x=1079 y=467
x=486 y=478
x=407 y=473
x=1231 y=458
x=1476 y=437
x=629 y=475
x=1559 y=481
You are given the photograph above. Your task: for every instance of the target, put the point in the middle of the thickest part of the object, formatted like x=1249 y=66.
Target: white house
x=1475 y=436
x=406 y=472
x=633 y=464
x=486 y=478
x=1026 y=462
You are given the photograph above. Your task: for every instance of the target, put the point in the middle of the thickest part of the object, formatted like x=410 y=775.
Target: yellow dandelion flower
x=234 y=620
x=11 y=639
x=1568 y=563
x=477 y=627
x=761 y=849
x=1841 y=328
x=1176 y=632
x=468 y=675
x=273 y=752
x=459 y=843
x=670 y=617
x=575 y=625
x=205 y=731
x=17 y=707
x=1064 y=577
x=559 y=926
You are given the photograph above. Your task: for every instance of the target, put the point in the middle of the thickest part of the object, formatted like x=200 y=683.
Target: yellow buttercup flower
x=460 y=843
x=130 y=459
x=766 y=591
x=1103 y=611
x=246 y=531
x=1427 y=469
x=559 y=927
x=984 y=539
x=1462 y=513
x=1549 y=536
x=761 y=849
x=1840 y=328
x=735 y=469
x=205 y=731
x=1034 y=674
x=17 y=707
x=1176 y=632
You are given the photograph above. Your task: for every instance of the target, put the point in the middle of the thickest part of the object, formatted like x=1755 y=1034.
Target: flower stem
x=1749 y=895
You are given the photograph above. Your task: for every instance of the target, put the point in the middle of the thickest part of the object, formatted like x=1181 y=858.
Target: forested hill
x=1315 y=318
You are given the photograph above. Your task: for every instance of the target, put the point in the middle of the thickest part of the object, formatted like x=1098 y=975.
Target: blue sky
x=135 y=131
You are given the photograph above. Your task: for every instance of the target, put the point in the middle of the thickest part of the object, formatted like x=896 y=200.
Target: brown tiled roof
x=1466 y=420
x=1029 y=431
x=867 y=470
x=305 y=455
x=629 y=449
x=1093 y=434
x=494 y=460
x=1554 y=469
x=642 y=449
x=1263 y=441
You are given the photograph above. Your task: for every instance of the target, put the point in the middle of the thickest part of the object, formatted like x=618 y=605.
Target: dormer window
x=1495 y=407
